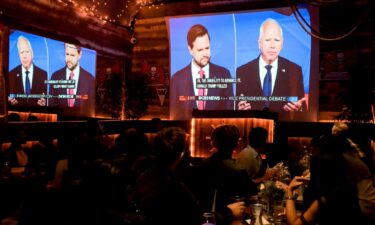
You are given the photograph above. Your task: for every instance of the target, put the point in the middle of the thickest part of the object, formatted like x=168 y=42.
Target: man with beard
x=80 y=93
x=188 y=91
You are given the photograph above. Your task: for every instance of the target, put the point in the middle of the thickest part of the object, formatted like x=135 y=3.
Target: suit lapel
x=279 y=82
x=258 y=84
x=212 y=73
x=190 y=88
x=35 y=82
x=19 y=80
x=189 y=82
x=80 y=82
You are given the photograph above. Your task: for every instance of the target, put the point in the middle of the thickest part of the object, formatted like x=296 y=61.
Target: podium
x=204 y=122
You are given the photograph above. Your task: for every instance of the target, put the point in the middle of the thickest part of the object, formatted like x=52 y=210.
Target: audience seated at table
x=159 y=195
x=219 y=179
x=250 y=158
x=337 y=193
x=359 y=142
x=107 y=181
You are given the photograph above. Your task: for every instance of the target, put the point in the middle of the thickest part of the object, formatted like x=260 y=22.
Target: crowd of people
x=84 y=177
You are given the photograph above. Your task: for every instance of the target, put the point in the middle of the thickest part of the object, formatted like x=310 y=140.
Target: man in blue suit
x=285 y=84
x=80 y=95
x=184 y=93
x=27 y=81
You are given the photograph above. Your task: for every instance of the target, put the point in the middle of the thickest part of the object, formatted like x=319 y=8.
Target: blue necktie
x=27 y=83
x=267 y=85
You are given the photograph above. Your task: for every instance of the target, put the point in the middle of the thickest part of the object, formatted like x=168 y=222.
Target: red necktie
x=71 y=91
x=201 y=92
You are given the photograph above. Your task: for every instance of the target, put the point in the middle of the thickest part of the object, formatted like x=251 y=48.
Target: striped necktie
x=71 y=91
x=201 y=92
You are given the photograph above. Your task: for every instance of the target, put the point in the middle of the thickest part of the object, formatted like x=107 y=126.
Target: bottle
x=208 y=218
x=6 y=169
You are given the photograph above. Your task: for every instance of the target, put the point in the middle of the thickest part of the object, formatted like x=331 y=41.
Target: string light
x=106 y=11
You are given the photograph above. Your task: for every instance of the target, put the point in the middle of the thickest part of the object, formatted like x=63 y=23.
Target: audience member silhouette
x=158 y=194
x=220 y=178
x=14 y=117
x=358 y=141
x=32 y=117
x=250 y=158
x=334 y=193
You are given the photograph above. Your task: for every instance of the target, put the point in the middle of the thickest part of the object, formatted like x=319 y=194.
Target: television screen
x=216 y=63
x=46 y=74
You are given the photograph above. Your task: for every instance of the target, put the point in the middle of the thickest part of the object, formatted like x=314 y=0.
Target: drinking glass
x=240 y=198
x=278 y=211
x=256 y=209
x=208 y=218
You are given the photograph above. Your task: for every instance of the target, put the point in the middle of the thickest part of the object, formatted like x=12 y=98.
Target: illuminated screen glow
x=200 y=139
x=234 y=42
x=49 y=55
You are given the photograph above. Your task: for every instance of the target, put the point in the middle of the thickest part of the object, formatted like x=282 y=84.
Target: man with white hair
x=26 y=81
x=274 y=82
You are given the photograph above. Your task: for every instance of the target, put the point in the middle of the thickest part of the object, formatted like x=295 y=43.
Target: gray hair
x=267 y=21
x=28 y=43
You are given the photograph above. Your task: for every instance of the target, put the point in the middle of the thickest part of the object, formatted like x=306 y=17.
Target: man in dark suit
x=282 y=78
x=26 y=81
x=81 y=91
x=183 y=89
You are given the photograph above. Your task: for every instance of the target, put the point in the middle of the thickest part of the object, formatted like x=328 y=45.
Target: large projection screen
x=233 y=43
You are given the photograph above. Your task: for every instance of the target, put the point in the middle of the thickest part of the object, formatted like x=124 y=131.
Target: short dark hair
x=225 y=138
x=169 y=143
x=78 y=47
x=258 y=137
x=195 y=31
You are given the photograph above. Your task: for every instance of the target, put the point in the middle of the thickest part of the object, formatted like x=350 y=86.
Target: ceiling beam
x=65 y=24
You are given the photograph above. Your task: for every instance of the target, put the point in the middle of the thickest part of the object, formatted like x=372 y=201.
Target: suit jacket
x=38 y=85
x=85 y=88
x=182 y=85
x=289 y=82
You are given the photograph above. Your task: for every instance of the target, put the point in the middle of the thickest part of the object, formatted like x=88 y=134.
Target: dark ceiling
x=110 y=22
